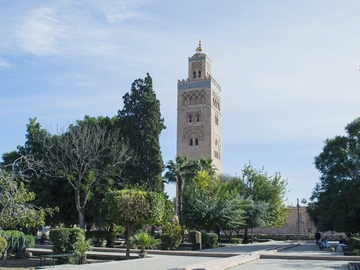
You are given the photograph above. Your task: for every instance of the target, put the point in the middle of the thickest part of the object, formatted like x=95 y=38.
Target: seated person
x=342 y=243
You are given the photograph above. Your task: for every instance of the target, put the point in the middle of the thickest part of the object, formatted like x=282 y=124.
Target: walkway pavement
x=305 y=256
x=268 y=255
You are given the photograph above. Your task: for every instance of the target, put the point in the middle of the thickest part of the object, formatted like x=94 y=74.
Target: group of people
x=342 y=241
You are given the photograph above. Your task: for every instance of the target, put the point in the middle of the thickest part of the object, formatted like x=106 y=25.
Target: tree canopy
x=335 y=204
x=141 y=123
x=129 y=207
x=264 y=197
x=211 y=206
x=269 y=189
x=16 y=209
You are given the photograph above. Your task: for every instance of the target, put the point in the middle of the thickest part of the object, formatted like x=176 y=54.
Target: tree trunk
x=81 y=212
x=110 y=242
x=179 y=188
x=81 y=209
x=128 y=228
x=143 y=253
x=245 y=240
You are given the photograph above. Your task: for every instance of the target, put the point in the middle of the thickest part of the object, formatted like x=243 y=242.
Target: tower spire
x=199 y=49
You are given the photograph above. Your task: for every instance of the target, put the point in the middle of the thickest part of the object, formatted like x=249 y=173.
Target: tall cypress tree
x=141 y=123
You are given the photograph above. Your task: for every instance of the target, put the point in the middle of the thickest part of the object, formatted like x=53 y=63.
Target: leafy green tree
x=255 y=216
x=10 y=161
x=130 y=207
x=140 y=121
x=334 y=204
x=264 y=189
x=16 y=209
x=211 y=205
x=303 y=201
x=55 y=193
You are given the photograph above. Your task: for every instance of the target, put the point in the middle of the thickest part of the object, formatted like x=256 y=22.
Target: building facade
x=199 y=112
x=291 y=226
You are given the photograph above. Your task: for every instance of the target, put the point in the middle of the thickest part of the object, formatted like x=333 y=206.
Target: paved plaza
x=269 y=255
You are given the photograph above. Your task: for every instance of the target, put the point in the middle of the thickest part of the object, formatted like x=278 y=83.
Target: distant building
x=291 y=225
x=199 y=112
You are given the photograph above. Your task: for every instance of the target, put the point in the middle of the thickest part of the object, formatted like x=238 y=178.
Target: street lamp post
x=298 y=214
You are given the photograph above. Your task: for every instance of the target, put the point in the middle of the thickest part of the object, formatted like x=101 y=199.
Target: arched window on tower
x=190 y=118
x=197 y=118
x=199 y=73
x=196 y=141
x=194 y=74
x=191 y=142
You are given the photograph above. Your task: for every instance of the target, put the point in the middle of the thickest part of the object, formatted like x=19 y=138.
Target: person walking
x=317 y=237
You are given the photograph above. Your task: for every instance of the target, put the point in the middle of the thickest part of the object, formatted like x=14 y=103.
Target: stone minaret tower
x=199 y=112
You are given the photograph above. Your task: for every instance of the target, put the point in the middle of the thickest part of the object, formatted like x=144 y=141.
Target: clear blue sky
x=289 y=71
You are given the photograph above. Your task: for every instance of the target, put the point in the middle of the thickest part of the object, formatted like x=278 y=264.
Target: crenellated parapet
x=215 y=83
x=197 y=83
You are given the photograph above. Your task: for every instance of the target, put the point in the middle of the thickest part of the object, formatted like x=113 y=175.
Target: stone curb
x=48 y=249
x=308 y=257
x=168 y=252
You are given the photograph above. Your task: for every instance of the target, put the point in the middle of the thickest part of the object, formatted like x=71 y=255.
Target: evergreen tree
x=141 y=123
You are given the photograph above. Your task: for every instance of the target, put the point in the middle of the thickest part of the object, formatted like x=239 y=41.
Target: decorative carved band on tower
x=198 y=112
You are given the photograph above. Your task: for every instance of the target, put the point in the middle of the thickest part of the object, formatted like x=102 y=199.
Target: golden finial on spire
x=199 y=49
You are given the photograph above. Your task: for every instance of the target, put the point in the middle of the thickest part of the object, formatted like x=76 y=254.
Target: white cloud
x=41 y=32
x=82 y=28
x=120 y=17
x=120 y=11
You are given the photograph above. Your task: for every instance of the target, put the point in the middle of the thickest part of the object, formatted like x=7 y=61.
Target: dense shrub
x=354 y=245
x=12 y=238
x=205 y=239
x=208 y=240
x=16 y=241
x=236 y=240
x=98 y=237
x=171 y=235
x=68 y=240
x=213 y=240
x=30 y=241
x=3 y=245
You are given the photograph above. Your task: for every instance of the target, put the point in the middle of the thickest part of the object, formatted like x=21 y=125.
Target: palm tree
x=205 y=164
x=178 y=172
x=145 y=240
